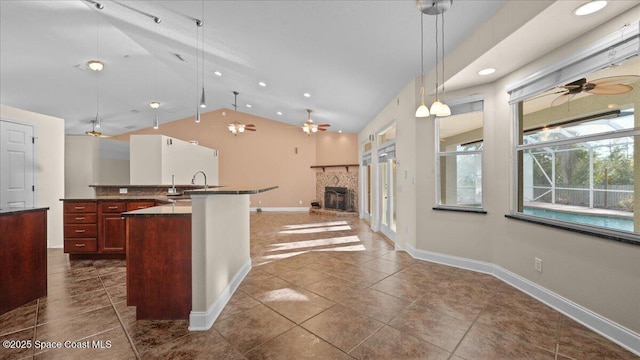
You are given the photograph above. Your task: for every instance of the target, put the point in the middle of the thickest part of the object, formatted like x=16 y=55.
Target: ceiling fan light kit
x=308 y=127
x=235 y=127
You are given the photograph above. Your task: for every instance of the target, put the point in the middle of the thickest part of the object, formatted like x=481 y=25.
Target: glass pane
x=461 y=180
x=589 y=183
x=461 y=132
x=384 y=194
x=387 y=135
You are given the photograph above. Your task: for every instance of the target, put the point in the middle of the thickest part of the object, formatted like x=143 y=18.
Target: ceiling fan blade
x=615 y=80
x=562 y=99
x=249 y=125
x=324 y=125
x=575 y=84
x=249 y=129
x=322 y=129
x=547 y=94
x=106 y=136
x=614 y=89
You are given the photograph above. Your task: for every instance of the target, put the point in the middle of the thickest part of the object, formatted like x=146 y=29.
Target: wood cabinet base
x=159 y=266
x=23 y=259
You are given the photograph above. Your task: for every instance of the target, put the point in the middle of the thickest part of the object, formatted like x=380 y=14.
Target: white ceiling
x=352 y=56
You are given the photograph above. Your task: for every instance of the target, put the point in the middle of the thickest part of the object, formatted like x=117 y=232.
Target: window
x=577 y=140
x=460 y=156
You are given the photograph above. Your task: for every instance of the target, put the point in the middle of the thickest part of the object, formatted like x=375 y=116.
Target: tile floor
x=321 y=287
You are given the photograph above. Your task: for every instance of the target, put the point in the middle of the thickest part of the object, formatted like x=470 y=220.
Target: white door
x=388 y=198
x=17 y=165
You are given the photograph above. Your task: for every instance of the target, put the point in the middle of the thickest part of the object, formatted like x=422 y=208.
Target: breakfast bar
x=186 y=259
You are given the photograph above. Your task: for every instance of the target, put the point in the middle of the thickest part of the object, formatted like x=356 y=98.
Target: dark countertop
x=231 y=190
x=18 y=210
x=166 y=198
x=180 y=208
x=191 y=186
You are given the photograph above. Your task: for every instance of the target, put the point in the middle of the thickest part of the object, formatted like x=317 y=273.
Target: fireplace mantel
x=346 y=166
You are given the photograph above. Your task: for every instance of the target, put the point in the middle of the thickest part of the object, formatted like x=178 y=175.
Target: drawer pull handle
x=113 y=207
x=142 y=207
x=80 y=231
x=79 y=207
x=80 y=218
x=80 y=245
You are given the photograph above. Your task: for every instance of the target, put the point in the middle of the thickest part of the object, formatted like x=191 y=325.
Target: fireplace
x=336 y=198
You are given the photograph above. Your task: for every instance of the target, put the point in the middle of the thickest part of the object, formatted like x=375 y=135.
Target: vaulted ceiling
x=352 y=57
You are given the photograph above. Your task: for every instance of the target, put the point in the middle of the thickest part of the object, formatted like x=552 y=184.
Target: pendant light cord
x=422 y=53
x=437 y=46
x=443 y=56
x=197 y=65
x=97 y=72
x=202 y=15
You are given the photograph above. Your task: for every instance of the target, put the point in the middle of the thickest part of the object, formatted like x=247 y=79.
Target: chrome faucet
x=193 y=180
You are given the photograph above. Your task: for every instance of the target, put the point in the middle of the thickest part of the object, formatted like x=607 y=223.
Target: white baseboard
x=201 y=320
x=613 y=331
x=282 y=209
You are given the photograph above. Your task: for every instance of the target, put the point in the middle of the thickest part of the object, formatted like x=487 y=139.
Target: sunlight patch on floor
x=315 y=243
x=317 y=230
x=303 y=226
x=345 y=248
x=283 y=295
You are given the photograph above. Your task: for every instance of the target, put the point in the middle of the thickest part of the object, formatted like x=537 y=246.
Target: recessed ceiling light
x=340 y=131
x=262 y=83
x=154 y=104
x=217 y=73
x=248 y=105
x=95 y=65
x=279 y=113
x=486 y=71
x=590 y=7
x=306 y=95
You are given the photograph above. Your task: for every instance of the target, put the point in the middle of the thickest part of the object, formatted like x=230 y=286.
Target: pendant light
x=444 y=110
x=199 y=24
x=437 y=7
x=422 y=110
x=203 y=103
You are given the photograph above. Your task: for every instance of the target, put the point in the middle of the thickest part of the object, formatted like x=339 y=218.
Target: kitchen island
x=215 y=260
x=23 y=259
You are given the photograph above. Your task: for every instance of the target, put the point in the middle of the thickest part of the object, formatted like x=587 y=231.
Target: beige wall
x=333 y=148
x=81 y=165
x=49 y=132
x=598 y=274
x=113 y=171
x=275 y=154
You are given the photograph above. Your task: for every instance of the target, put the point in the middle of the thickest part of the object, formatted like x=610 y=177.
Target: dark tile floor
x=321 y=287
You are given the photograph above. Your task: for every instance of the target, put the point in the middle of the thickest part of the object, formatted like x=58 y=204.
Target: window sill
x=460 y=209
x=628 y=238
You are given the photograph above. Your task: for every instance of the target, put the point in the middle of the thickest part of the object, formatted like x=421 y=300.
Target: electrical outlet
x=259 y=202
x=300 y=202
x=538 y=264
x=123 y=190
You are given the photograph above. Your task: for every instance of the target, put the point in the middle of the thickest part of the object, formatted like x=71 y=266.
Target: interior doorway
x=17 y=165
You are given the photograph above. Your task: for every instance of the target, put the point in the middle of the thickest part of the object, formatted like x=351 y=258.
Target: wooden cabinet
x=80 y=227
x=111 y=227
x=23 y=259
x=96 y=227
x=159 y=266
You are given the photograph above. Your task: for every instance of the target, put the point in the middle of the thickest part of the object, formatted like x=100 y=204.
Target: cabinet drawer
x=80 y=231
x=113 y=207
x=137 y=205
x=80 y=218
x=80 y=245
x=80 y=207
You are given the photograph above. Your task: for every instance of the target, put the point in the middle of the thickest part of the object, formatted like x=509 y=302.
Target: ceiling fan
x=95 y=133
x=613 y=85
x=309 y=127
x=235 y=127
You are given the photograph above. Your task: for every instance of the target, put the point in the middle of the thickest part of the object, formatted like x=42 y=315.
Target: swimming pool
x=594 y=220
